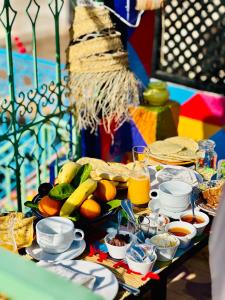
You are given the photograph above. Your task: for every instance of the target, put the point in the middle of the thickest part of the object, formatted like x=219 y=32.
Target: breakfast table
x=122 y=229
x=157 y=286
x=131 y=284
x=156 y=282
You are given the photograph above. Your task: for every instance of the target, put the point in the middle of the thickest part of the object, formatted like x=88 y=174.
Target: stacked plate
x=173 y=151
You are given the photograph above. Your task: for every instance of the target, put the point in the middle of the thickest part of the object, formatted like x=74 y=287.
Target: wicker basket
x=98 y=63
x=98 y=45
x=88 y=20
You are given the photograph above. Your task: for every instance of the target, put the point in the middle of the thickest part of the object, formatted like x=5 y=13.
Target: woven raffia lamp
x=101 y=84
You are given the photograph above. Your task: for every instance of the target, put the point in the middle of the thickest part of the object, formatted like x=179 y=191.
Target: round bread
x=94 y=162
x=164 y=148
x=116 y=173
x=166 y=158
x=185 y=154
x=130 y=165
x=184 y=142
x=137 y=165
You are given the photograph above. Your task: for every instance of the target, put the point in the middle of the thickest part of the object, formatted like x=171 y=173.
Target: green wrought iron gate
x=37 y=128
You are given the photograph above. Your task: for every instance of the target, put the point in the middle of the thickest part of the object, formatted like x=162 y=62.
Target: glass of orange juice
x=139 y=153
x=139 y=187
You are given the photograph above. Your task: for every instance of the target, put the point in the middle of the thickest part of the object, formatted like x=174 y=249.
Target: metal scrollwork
x=37 y=128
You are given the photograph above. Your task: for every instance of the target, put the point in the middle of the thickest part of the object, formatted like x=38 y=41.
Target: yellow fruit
x=105 y=191
x=78 y=196
x=68 y=172
x=90 y=209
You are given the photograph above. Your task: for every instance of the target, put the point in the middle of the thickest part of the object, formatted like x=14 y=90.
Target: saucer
x=75 y=250
x=155 y=204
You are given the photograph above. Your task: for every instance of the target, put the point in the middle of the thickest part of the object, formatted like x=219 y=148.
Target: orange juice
x=138 y=189
x=141 y=156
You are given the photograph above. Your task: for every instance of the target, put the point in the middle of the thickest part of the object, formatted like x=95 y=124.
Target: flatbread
x=137 y=165
x=94 y=176
x=110 y=175
x=117 y=173
x=184 y=142
x=94 y=162
x=166 y=158
x=22 y=233
x=130 y=165
x=185 y=154
x=155 y=162
x=164 y=147
x=120 y=168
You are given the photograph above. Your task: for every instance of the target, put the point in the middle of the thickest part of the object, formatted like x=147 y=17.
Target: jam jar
x=207 y=154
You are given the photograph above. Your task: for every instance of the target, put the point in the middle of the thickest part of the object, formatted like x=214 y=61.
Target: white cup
x=141 y=267
x=199 y=226
x=56 y=234
x=165 y=253
x=174 y=195
x=118 y=252
x=184 y=240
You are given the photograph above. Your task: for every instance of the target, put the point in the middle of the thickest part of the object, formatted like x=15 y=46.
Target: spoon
x=127 y=207
x=194 y=196
x=134 y=291
x=119 y=218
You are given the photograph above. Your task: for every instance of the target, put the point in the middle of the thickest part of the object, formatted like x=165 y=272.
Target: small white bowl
x=184 y=240
x=140 y=267
x=201 y=226
x=165 y=253
x=117 y=252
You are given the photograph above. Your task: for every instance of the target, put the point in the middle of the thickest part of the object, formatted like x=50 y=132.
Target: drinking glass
x=139 y=154
x=139 y=185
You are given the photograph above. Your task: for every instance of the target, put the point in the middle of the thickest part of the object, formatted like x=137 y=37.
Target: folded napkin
x=142 y=252
x=67 y=272
x=187 y=175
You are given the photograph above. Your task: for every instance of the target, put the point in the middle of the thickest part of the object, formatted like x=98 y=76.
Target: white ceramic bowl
x=201 y=226
x=173 y=195
x=165 y=253
x=117 y=252
x=184 y=240
x=140 y=267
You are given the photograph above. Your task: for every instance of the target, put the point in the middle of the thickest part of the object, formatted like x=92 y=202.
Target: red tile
x=206 y=108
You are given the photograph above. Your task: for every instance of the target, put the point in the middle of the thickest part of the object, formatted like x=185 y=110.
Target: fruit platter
x=84 y=191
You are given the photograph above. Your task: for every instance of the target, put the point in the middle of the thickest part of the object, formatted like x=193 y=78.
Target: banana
x=68 y=172
x=78 y=196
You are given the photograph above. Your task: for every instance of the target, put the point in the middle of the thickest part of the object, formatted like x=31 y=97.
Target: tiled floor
x=192 y=280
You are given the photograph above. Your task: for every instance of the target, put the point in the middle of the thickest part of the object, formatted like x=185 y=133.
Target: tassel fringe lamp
x=101 y=85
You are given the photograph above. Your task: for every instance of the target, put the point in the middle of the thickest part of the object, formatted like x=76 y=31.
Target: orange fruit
x=90 y=209
x=49 y=207
x=105 y=191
